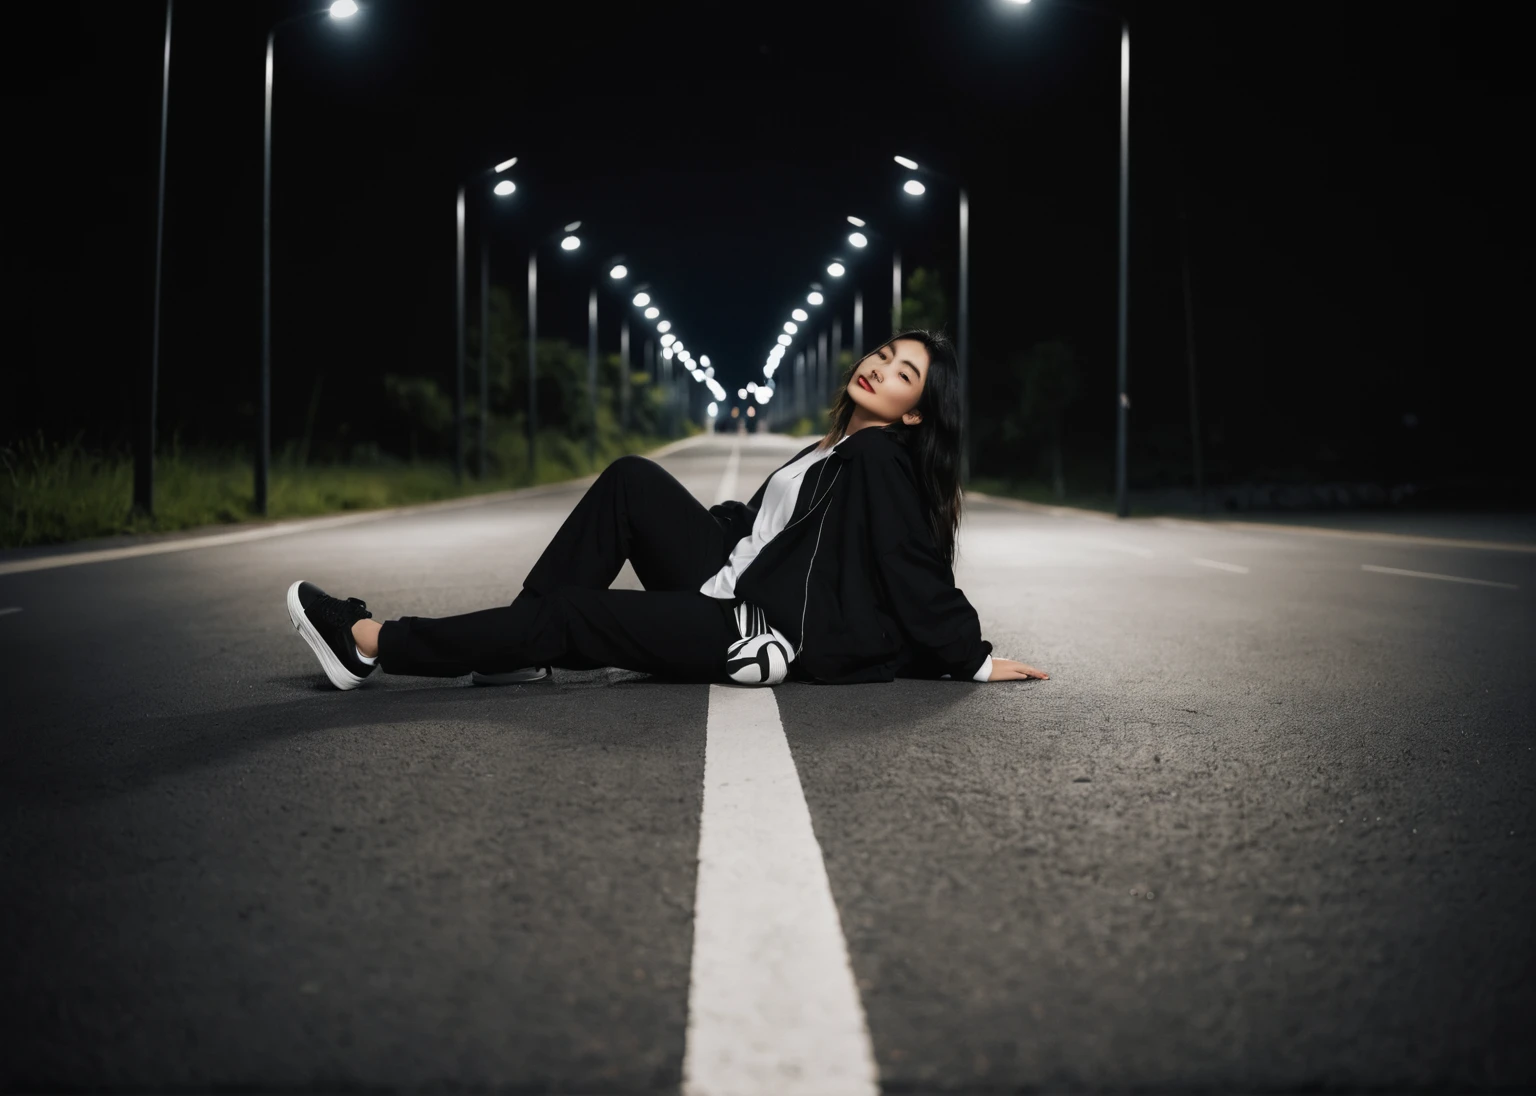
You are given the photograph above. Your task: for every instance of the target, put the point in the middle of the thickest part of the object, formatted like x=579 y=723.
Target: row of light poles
x=915 y=188
x=143 y=501
x=618 y=271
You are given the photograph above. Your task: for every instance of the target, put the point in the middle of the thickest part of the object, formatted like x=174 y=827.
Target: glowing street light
x=570 y=243
x=913 y=187
x=858 y=239
x=790 y=328
x=837 y=270
x=910 y=165
x=857 y=222
x=664 y=326
x=641 y=300
x=814 y=297
x=342 y=9
x=741 y=393
x=502 y=188
x=652 y=312
x=618 y=272
x=785 y=340
x=668 y=340
x=704 y=360
x=801 y=314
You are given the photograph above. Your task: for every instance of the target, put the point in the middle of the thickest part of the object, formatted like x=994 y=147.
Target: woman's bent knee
x=631 y=464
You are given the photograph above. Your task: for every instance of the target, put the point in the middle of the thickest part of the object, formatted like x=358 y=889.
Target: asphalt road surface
x=1267 y=826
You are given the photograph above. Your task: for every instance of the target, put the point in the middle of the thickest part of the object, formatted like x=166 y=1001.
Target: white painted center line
x=10 y=609
x=1442 y=578
x=727 y=489
x=1216 y=563
x=772 y=1004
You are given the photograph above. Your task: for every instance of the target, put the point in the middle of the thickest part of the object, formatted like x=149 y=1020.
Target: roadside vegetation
x=53 y=492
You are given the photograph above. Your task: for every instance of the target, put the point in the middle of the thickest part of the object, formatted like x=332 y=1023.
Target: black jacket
x=858 y=565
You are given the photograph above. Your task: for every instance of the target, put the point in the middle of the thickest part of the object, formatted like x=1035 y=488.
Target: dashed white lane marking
x=772 y=1004
x=1442 y=578
x=727 y=489
x=10 y=609
x=1220 y=566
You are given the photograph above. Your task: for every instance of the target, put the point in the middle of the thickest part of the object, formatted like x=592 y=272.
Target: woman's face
x=895 y=375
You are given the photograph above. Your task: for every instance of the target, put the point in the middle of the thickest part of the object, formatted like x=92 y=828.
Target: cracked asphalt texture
x=1264 y=830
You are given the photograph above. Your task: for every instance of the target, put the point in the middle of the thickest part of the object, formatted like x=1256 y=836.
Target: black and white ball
x=757 y=660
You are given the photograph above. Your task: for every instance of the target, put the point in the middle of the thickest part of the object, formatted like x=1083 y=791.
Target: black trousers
x=566 y=615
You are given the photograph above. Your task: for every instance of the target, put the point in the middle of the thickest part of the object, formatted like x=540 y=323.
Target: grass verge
x=52 y=493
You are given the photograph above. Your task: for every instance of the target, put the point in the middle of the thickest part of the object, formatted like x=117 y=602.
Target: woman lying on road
x=838 y=570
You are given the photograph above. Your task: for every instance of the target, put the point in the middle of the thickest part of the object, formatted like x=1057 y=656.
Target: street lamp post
x=650 y=359
x=963 y=351
x=460 y=276
x=458 y=345
x=1122 y=311
x=826 y=367
x=144 y=459
x=570 y=243
x=1123 y=410
x=340 y=9
x=963 y=343
x=624 y=373
x=485 y=344
x=592 y=374
x=837 y=344
x=533 y=361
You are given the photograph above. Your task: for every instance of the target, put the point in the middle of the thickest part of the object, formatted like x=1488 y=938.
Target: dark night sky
x=1353 y=176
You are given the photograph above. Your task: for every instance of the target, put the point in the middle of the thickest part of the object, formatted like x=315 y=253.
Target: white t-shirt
x=773 y=515
x=777 y=508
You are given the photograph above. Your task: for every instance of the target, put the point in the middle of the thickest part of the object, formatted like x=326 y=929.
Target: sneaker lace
x=343 y=614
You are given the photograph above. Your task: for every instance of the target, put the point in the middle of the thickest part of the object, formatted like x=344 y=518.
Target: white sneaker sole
x=340 y=676
x=512 y=677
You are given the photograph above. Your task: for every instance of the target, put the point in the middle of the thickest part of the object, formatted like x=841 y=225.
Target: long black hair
x=934 y=443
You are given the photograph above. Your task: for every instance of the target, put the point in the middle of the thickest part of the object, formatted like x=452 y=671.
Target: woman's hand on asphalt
x=1006 y=669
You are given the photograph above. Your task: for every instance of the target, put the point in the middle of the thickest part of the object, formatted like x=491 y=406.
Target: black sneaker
x=326 y=622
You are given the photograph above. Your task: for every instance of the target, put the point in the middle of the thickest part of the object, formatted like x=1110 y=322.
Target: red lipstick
x=866 y=384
